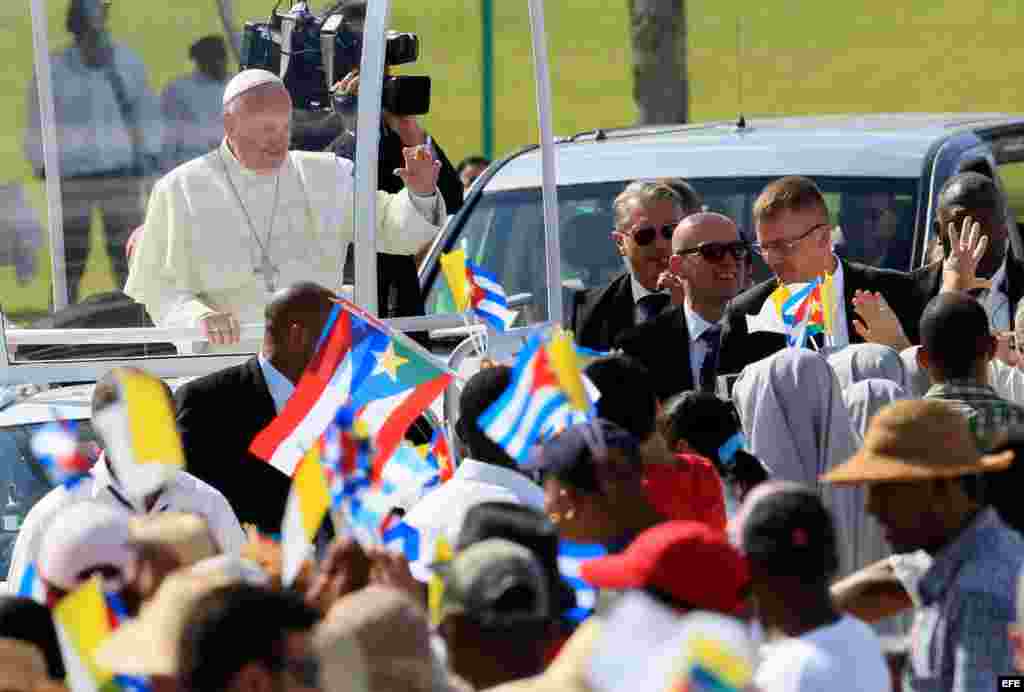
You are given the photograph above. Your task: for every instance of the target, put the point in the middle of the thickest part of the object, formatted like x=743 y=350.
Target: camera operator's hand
x=349 y=84
x=421 y=170
x=406 y=126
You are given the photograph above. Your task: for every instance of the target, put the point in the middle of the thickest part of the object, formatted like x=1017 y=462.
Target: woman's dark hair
x=706 y=423
x=701 y=419
x=569 y=458
x=628 y=395
x=233 y=626
x=526 y=526
x=28 y=621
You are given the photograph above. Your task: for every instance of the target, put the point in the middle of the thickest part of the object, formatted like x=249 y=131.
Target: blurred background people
x=469 y=169
x=245 y=638
x=792 y=548
x=191 y=104
x=109 y=131
x=496 y=613
x=705 y=424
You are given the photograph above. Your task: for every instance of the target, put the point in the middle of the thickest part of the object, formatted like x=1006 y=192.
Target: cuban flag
x=56 y=447
x=547 y=393
x=802 y=313
x=366 y=502
x=474 y=288
x=323 y=388
x=571 y=556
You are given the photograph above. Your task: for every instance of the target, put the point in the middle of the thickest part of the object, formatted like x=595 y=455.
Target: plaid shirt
x=987 y=413
x=959 y=642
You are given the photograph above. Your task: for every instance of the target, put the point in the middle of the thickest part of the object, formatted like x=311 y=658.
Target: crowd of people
x=844 y=505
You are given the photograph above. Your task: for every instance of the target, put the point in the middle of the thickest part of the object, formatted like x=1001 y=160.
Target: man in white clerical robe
x=226 y=230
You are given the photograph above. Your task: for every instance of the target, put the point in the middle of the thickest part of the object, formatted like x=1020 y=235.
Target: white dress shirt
x=441 y=512
x=199 y=254
x=281 y=388
x=997 y=303
x=696 y=325
x=184 y=493
x=840 y=330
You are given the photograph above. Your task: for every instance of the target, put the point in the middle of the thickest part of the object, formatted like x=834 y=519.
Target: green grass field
x=800 y=57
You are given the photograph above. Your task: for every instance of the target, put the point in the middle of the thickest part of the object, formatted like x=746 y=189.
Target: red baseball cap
x=689 y=561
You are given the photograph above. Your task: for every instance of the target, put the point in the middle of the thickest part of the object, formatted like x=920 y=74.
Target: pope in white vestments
x=221 y=237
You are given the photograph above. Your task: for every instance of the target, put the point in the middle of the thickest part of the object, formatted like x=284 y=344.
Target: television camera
x=312 y=52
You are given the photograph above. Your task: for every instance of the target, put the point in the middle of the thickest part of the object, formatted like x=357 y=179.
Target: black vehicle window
x=503 y=233
x=23 y=482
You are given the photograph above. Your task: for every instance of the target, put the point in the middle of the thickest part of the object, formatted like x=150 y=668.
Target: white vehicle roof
x=68 y=403
x=877 y=146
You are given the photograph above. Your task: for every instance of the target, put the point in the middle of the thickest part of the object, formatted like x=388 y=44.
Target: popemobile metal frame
x=13 y=372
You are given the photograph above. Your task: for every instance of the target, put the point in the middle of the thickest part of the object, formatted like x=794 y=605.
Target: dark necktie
x=650 y=306
x=711 y=338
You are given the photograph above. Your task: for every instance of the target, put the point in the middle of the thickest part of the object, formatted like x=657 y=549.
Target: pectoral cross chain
x=269 y=272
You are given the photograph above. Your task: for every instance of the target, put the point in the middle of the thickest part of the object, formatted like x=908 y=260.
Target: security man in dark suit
x=646 y=215
x=969 y=199
x=221 y=413
x=707 y=268
x=794 y=236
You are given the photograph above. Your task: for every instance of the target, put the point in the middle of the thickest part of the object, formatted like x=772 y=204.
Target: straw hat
x=148 y=645
x=187 y=535
x=917 y=440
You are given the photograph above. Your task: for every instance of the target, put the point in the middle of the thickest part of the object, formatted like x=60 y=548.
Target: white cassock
x=198 y=253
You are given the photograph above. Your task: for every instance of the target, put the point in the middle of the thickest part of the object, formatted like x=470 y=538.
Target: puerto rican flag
x=322 y=390
x=385 y=377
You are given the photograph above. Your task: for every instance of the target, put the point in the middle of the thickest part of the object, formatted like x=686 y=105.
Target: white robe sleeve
x=160 y=275
x=405 y=222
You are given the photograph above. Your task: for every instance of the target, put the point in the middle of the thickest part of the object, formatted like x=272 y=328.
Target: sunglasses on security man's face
x=645 y=235
x=715 y=252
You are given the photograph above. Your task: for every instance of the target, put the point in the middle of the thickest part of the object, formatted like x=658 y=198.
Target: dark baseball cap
x=496 y=583
x=583 y=443
x=526 y=526
x=787 y=530
x=691 y=563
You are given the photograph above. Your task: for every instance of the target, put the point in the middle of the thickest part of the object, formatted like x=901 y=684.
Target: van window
x=504 y=233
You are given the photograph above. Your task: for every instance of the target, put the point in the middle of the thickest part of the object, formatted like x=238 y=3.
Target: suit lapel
x=622 y=307
x=680 y=330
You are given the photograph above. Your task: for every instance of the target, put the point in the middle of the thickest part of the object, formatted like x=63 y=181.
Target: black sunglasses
x=644 y=236
x=715 y=252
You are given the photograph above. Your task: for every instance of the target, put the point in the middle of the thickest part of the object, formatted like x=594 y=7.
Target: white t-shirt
x=845 y=656
x=441 y=512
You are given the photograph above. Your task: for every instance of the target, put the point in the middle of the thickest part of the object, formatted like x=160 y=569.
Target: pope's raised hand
x=221 y=328
x=421 y=170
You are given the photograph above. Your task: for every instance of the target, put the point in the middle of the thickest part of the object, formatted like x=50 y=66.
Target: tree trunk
x=660 y=80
